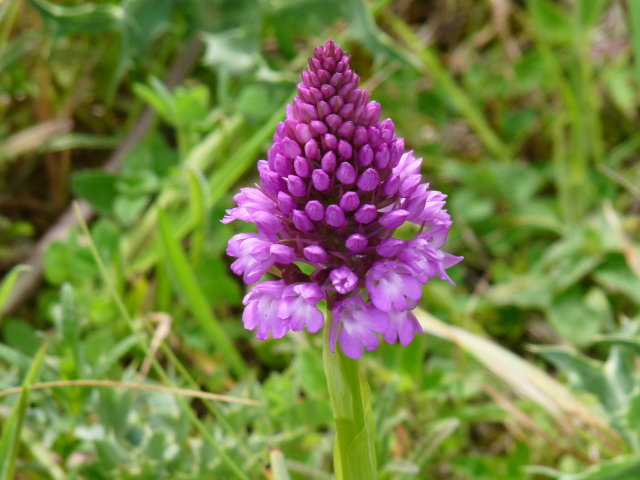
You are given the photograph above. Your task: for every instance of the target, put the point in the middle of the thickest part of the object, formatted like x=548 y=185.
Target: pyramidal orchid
x=336 y=186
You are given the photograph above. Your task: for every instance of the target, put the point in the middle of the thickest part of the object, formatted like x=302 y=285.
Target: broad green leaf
x=615 y=275
x=22 y=336
x=574 y=318
x=97 y=187
x=233 y=51
x=588 y=375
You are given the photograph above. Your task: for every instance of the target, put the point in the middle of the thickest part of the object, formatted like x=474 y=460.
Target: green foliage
x=526 y=115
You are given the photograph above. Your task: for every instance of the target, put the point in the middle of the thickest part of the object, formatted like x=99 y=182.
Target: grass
x=526 y=115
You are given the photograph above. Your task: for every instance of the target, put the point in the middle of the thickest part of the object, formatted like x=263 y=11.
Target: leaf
x=9 y=282
x=630 y=343
x=615 y=275
x=187 y=285
x=10 y=439
x=550 y=21
x=278 y=465
x=97 y=187
x=86 y=18
x=158 y=96
x=234 y=51
x=590 y=12
x=197 y=202
x=621 y=468
x=21 y=336
x=573 y=317
x=588 y=375
x=68 y=327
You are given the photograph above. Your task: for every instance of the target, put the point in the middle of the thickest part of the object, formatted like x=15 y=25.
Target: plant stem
x=354 y=452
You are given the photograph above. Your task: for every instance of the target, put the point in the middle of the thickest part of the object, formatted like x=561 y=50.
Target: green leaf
x=197 y=202
x=21 y=336
x=97 y=187
x=278 y=465
x=615 y=275
x=159 y=97
x=574 y=318
x=590 y=12
x=69 y=329
x=630 y=343
x=187 y=285
x=588 y=375
x=9 y=282
x=233 y=51
x=621 y=468
x=86 y=18
x=549 y=21
x=10 y=439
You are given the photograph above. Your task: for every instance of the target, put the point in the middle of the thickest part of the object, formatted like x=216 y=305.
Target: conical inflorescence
x=336 y=185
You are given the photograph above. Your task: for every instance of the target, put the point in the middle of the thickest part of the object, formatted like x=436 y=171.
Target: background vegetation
x=527 y=116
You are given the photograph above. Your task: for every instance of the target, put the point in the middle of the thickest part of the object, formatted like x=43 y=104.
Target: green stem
x=354 y=452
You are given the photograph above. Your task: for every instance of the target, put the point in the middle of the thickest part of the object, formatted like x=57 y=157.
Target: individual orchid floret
x=262 y=305
x=256 y=255
x=336 y=186
x=403 y=326
x=300 y=307
x=393 y=287
x=424 y=255
x=354 y=326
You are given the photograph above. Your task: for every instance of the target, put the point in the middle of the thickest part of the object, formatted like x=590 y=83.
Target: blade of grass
x=524 y=378
x=9 y=281
x=197 y=201
x=132 y=386
x=10 y=440
x=157 y=368
x=187 y=285
x=634 y=10
x=278 y=465
x=428 y=63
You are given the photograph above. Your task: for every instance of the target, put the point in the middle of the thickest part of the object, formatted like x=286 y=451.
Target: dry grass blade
x=134 y=386
x=524 y=379
x=33 y=138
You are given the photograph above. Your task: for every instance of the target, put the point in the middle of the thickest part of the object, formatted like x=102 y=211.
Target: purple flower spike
x=336 y=185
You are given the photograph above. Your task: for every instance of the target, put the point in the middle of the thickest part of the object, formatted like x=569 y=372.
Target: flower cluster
x=336 y=185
